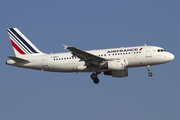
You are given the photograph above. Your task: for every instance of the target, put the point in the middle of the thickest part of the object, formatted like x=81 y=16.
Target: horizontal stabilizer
x=20 y=60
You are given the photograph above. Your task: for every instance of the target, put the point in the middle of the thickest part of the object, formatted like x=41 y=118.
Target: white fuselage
x=114 y=62
x=65 y=62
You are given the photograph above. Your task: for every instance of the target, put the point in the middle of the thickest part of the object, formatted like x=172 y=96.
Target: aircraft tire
x=93 y=76
x=96 y=81
x=150 y=74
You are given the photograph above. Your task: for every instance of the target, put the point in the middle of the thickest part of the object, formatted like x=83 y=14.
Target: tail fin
x=21 y=45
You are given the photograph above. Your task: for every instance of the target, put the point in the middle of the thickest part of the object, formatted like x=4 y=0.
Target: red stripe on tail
x=17 y=48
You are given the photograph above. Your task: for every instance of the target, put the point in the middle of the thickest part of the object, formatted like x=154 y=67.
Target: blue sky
x=97 y=24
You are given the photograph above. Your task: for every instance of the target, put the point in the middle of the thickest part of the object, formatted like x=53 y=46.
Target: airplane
x=114 y=62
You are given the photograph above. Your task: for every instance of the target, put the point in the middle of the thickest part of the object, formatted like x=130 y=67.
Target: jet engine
x=117 y=73
x=115 y=65
x=116 y=68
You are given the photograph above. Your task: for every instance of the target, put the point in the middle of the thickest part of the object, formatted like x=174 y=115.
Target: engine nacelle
x=115 y=65
x=117 y=73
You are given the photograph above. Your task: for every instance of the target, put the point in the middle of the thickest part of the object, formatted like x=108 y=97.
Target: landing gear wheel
x=150 y=74
x=95 y=78
x=149 y=69
x=96 y=81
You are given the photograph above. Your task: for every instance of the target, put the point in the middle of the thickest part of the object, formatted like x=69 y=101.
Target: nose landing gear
x=95 y=78
x=149 y=69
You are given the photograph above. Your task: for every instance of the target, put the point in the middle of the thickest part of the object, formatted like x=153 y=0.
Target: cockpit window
x=161 y=50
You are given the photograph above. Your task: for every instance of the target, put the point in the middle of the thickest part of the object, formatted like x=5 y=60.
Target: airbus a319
x=114 y=62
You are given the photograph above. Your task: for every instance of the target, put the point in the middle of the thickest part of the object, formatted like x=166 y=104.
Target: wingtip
x=65 y=46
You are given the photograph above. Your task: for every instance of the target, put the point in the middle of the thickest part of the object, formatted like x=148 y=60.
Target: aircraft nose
x=171 y=56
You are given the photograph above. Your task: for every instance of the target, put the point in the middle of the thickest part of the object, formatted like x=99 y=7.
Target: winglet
x=65 y=46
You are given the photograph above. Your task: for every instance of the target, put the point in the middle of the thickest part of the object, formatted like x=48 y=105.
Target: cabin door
x=44 y=62
x=148 y=52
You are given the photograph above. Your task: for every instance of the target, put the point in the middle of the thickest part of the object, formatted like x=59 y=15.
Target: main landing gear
x=149 y=69
x=95 y=78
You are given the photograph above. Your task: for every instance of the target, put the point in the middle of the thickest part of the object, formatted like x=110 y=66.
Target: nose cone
x=164 y=57
x=171 y=56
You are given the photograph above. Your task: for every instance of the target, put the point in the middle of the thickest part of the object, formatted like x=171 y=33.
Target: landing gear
x=95 y=78
x=149 y=69
x=150 y=74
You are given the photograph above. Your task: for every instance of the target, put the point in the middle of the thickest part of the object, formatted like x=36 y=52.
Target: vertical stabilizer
x=21 y=45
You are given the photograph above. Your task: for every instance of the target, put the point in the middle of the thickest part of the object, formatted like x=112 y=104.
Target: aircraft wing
x=88 y=58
